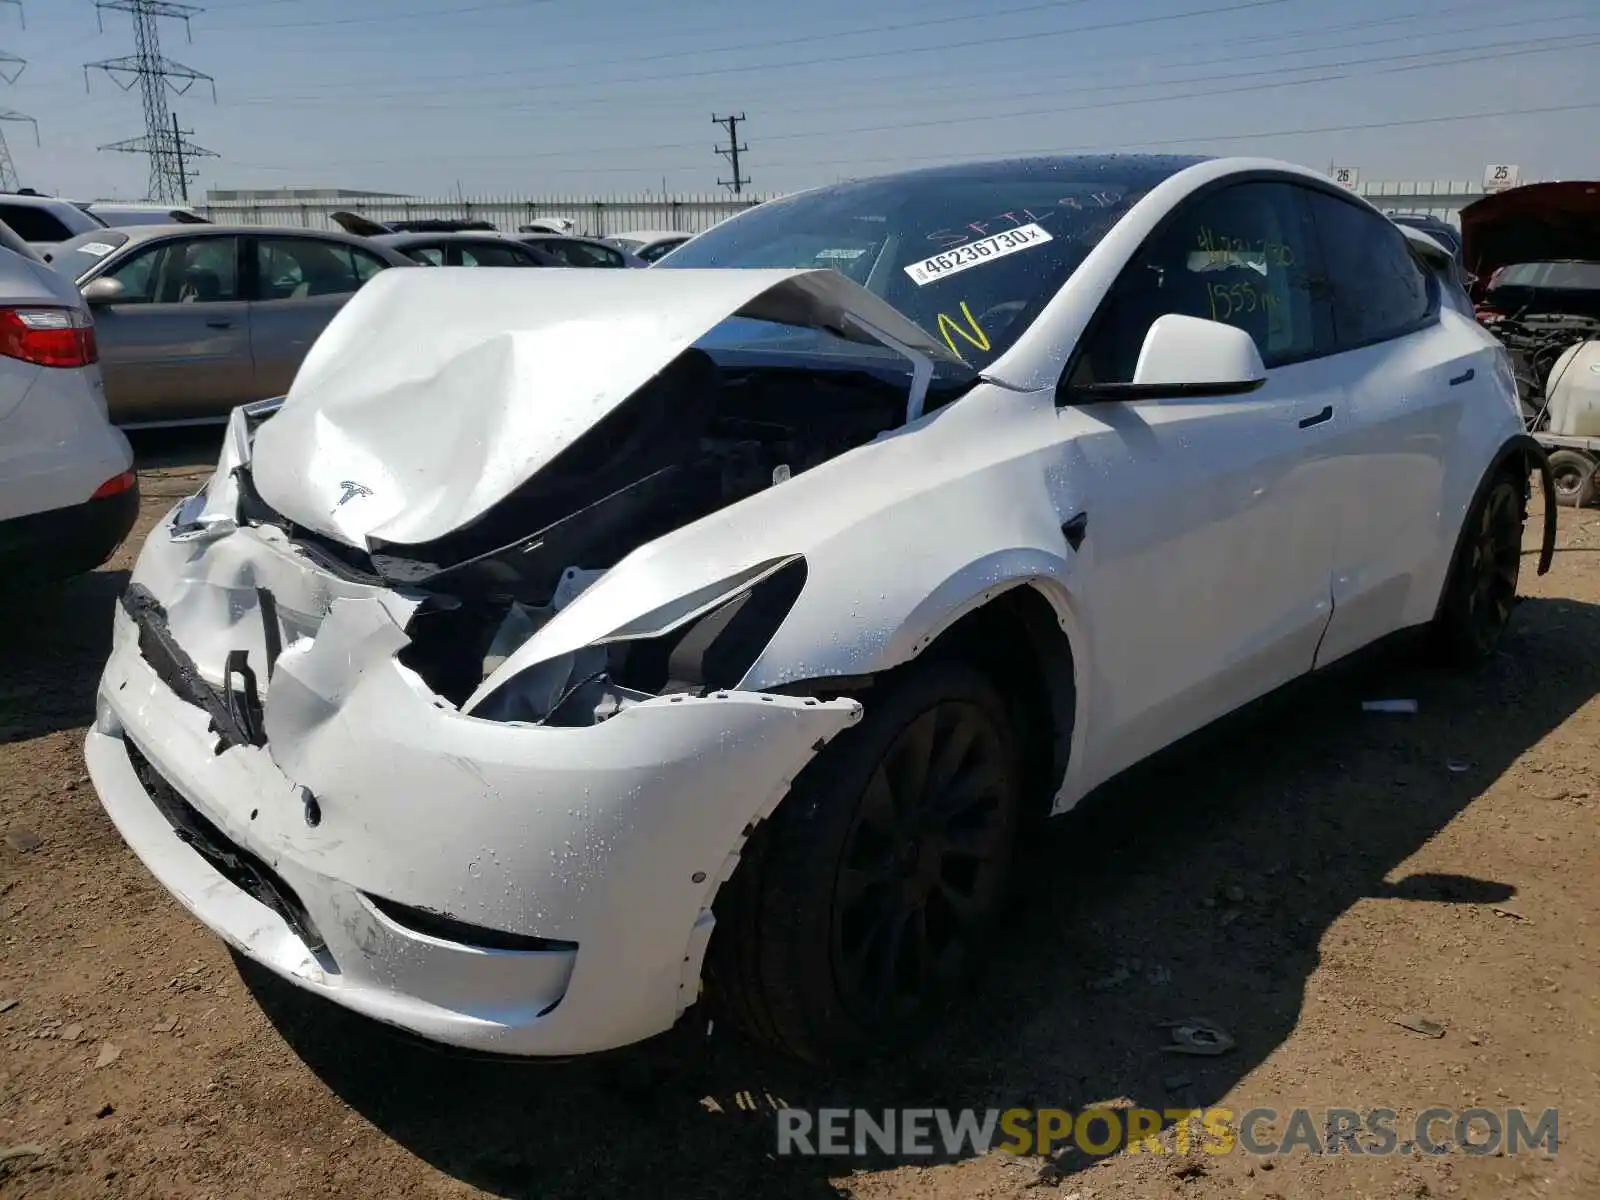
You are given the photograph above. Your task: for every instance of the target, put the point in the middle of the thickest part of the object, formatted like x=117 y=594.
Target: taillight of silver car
x=48 y=337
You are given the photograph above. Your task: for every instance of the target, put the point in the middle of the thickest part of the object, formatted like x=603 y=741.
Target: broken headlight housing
x=703 y=642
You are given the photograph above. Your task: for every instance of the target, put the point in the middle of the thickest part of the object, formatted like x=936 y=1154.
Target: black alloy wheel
x=924 y=863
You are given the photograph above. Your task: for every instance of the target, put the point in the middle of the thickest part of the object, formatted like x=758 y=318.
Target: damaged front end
x=323 y=726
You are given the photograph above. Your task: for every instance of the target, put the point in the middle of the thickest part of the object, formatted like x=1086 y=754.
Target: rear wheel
x=1482 y=588
x=1574 y=474
x=866 y=896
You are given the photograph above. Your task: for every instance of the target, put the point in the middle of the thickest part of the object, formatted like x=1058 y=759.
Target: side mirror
x=104 y=290
x=1187 y=356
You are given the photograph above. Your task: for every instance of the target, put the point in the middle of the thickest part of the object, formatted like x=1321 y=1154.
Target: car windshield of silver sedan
x=970 y=253
x=80 y=255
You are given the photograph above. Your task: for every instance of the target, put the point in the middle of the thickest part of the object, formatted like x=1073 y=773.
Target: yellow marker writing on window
x=949 y=325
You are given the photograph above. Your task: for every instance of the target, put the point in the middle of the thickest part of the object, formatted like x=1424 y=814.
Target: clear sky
x=543 y=97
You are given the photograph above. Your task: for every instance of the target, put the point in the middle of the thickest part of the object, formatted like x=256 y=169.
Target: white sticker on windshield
x=959 y=258
x=98 y=249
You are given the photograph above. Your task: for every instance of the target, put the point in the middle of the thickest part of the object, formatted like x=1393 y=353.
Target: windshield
x=77 y=256
x=970 y=253
x=1573 y=276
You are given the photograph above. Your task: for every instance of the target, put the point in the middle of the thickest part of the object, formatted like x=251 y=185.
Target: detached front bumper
x=508 y=888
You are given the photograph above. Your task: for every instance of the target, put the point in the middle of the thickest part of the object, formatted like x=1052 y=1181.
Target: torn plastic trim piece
x=175 y=668
x=1536 y=458
x=921 y=365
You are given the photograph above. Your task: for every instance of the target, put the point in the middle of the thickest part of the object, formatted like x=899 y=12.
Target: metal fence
x=605 y=215
x=596 y=216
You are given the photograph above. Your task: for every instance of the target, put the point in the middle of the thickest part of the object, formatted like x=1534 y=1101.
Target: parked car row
x=68 y=491
x=194 y=318
x=44 y=221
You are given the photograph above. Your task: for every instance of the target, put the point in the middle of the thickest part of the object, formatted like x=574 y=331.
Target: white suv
x=68 y=492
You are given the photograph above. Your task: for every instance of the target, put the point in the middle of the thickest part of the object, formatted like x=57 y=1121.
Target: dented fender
x=867 y=604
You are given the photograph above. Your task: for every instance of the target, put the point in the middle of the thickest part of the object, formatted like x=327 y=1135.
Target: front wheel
x=1482 y=588
x=867 y=894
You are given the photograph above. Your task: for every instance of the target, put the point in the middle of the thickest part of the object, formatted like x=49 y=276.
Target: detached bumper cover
x=596 y=851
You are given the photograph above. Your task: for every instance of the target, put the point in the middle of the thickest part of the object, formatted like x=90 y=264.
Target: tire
x=1574 y=473
x=805 y=928
x=1482 y=588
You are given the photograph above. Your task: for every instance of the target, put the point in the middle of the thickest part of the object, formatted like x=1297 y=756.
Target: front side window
x=1379 y=290
x=181 y=271
x=299 y=268
x=428 y=256
x=971 y=254
x=1244 y=255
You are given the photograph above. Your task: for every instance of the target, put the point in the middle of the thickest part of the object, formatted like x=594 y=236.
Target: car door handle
x=219 y=323
x=1467 y=376
x=1317 y=418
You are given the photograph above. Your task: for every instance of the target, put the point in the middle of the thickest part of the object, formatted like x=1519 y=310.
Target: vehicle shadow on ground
x=54 y=640
x=1224 y=867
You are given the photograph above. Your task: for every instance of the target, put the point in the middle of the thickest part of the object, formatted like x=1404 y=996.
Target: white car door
x=1413 y=364
x=1207 y=553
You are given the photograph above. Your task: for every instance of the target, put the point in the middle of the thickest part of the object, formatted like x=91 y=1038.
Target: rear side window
x=298 y=268
x=33 y=224
x=1378 y=288
x=428 y=256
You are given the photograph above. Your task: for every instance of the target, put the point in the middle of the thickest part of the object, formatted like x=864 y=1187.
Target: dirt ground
x=1304 y=881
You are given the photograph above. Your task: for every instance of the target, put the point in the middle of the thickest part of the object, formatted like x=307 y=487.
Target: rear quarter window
x=34 y=224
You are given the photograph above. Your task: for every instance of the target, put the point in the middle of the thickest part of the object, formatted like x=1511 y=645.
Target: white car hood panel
x=433 y=394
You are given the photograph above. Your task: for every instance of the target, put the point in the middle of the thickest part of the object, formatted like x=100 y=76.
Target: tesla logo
x=349 y=490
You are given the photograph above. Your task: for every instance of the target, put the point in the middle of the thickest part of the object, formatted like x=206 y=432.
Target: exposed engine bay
x=697 y=438
x=1536 y=343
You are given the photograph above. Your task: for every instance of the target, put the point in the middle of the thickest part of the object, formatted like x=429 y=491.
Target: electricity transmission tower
x=731 y=151
x=163 y=142
x=10 y=68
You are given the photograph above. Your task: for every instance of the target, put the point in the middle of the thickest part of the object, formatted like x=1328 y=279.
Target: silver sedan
x=193 y=320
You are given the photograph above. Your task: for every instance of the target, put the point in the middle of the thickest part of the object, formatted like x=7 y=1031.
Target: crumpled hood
x=1537 y=222
x=434 y=394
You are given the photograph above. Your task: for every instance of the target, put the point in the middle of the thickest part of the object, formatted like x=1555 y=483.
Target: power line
x=957 y=93
x=11 y=67
x=1085 y=148
x=1253 y=135
x=827 y=60
x=1333 y=71
x=163 y=142
x=389 y=18
x=731 y=151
